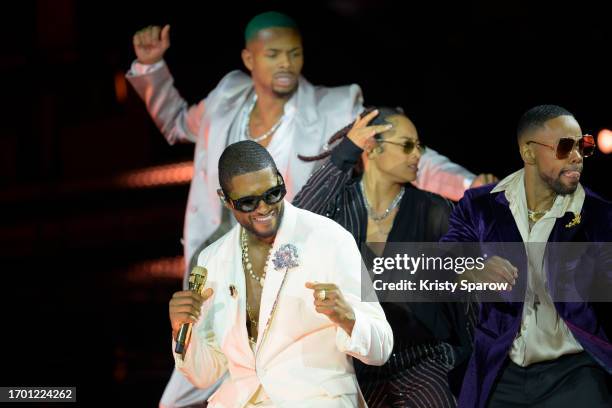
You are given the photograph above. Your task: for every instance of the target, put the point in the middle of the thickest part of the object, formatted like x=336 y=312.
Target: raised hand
x=151 y=43
x=362 y=135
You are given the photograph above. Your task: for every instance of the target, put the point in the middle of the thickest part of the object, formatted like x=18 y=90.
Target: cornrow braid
x=341 y=134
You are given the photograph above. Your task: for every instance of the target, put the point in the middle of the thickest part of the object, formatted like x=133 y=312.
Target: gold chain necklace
x=534 y=216
x=253 y=324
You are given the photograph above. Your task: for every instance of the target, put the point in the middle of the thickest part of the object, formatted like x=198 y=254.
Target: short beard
x=287 y=94
x=559 y=188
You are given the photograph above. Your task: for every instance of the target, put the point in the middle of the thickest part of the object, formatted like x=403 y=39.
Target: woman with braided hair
x=365 y=186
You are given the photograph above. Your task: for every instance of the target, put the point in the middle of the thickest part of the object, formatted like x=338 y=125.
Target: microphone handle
x=183 y=337
x=197 y=281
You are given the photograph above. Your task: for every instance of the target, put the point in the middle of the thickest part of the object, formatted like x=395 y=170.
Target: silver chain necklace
x=386 y=213
x=247 y=131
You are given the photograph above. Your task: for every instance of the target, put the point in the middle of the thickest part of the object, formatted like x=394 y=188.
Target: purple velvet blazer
x=484 y=217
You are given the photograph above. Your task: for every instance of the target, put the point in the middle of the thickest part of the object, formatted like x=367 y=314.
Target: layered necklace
x=248 y=267
x=246 y=261
x=246 y=119
x=391 y=207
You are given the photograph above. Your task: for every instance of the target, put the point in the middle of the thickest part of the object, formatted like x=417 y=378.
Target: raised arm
x=153 y=82
x=328 y=183
x=441 y=176
x=438 y=174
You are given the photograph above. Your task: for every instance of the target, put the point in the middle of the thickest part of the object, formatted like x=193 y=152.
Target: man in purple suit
x=539 y=352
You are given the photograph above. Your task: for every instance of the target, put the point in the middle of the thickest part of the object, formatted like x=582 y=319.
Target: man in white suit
x=274 y=106
x=282 y=311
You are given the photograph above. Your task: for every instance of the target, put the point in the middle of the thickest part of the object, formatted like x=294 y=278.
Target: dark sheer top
x=333 y=191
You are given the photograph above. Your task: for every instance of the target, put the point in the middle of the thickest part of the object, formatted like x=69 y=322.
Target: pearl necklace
x=247 y=131
x=246 y=261
x=386 y=213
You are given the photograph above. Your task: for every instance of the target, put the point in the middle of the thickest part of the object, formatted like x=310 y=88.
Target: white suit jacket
x=304 y=359
x=320 y=112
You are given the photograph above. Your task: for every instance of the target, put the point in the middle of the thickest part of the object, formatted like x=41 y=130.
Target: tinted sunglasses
x=250 y=203
x=565 y=145
x=408 y=145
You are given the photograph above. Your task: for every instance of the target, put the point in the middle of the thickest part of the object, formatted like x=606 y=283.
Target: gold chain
x=253 y=324
x=534 y=216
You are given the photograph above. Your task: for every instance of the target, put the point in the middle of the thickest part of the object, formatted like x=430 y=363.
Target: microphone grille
x=197 y=279
x=199 y=270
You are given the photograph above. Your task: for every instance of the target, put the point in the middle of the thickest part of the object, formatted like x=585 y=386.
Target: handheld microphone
x=197 y=282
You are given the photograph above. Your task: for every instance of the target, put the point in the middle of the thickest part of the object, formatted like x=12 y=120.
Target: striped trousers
x=414 y=377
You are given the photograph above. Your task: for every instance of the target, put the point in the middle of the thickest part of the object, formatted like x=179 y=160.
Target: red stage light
x=146 y=271
x=169 y=174
x=120 y=87
x=604 y=141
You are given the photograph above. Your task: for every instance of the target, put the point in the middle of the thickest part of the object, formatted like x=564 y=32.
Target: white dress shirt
x=543 y=335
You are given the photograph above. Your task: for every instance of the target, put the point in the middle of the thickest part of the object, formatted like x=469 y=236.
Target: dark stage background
x=90 y=232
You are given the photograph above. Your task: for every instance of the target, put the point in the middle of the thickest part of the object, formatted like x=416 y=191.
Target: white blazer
x=304 y=359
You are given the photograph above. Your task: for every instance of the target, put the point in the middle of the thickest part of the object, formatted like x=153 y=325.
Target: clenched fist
x=151 y=43
x=185 y=307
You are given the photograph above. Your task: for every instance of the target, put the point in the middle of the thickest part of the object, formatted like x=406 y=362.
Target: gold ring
x=321 y=295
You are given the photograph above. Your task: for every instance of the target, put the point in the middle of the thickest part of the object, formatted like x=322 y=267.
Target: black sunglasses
x=565 y=145
x=250 y=203
x=408 y=145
